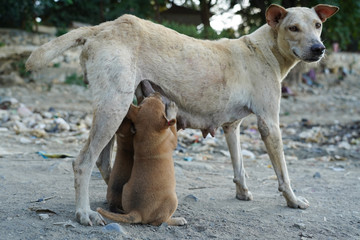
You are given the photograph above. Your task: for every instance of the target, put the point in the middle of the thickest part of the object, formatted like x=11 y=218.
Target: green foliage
x=2 y=44
x=56 y=65
x=75 y=80
x=340 y=28
x=20 y=66
x=61 y=31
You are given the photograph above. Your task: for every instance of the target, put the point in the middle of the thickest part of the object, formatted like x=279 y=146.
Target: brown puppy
x=121 y=171
x=149 y=196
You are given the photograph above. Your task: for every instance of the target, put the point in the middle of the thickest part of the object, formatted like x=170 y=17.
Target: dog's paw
x=89 y=218
x=245 y=196
x=300 y=202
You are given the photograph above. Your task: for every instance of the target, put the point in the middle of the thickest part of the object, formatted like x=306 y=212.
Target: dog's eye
x=318 y=25
x=294 y=29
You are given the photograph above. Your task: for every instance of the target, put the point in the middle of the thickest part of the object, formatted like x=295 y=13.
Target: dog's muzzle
x=317 y=52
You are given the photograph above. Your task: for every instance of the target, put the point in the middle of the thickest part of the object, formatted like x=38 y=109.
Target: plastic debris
x=48 y=155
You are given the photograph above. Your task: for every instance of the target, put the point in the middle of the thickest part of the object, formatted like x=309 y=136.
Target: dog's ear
x=274 y=14
x=325 y=11
x=132 y=113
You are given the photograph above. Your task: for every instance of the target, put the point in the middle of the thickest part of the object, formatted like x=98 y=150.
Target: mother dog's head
x=298 y=35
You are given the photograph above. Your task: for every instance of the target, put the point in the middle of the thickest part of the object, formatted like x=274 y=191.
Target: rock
x=114 y=227
x=314 y=135
x=43 y=216
x=62 y=124
x=47 y=115
x=25 y=140
x=344 y=145
x=39 y=133
x=191 y=198
x=317 y=175
x=300 y=226
x=20 y=127
x=247 y=154
x=23 y=111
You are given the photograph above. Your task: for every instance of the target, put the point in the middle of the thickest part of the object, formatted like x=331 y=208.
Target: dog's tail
x=132 y=217
x=47 y=52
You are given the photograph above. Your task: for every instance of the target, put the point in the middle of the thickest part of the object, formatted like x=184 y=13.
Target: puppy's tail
x=47 y=52
x=132 y=217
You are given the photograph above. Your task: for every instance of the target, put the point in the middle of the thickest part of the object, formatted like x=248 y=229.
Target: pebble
x=191 y=198
x=300 y=226
x=23 y=111
x=247 y=154
x=25 y=140
x=317 y=175
x=43 y=216
x=114 y=227
x=62 y=124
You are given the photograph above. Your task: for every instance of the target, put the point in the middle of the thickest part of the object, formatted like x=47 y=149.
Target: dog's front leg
x=232 y=135
x=271 y=135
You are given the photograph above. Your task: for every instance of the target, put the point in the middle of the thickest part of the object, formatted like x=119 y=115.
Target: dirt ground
x=321 y=132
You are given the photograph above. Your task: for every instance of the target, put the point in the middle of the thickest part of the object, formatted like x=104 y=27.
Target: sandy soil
x=205 y=189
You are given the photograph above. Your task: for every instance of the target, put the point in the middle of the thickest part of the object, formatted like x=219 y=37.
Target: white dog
x=213 y=83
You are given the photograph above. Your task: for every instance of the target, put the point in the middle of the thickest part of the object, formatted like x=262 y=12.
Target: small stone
x=43 y=216
x=25 y=140
x=23 y=111
x=114 y=227
x=247 y=154
x=300 y=226
x=317 y=175
x=344 y=145
x=62 y=124
x=3 y=129
x=191 y=198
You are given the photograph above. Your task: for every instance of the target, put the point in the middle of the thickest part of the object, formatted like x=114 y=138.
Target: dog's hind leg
x=104 y=161
x=112 y=85
x=232 y=135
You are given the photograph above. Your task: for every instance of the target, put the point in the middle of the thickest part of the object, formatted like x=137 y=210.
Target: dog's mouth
x=309 y=59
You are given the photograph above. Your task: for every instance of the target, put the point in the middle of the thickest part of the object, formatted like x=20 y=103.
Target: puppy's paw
x=89 y=218
x=178 y=221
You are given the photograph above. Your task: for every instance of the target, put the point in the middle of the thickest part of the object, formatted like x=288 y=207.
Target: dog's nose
x=318 y=48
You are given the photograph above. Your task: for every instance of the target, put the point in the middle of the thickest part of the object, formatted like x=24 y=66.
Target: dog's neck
x=266 y=39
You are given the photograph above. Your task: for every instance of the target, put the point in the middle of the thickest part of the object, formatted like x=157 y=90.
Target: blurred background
x=208 y=19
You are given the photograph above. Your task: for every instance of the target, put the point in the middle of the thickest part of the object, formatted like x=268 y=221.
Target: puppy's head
x=299 y=29
x=150 y=114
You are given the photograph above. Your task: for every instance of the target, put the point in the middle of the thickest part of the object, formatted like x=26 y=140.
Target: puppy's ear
x=325 y=11
x=132 y=113
x=169 y=123
x=274 y=14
